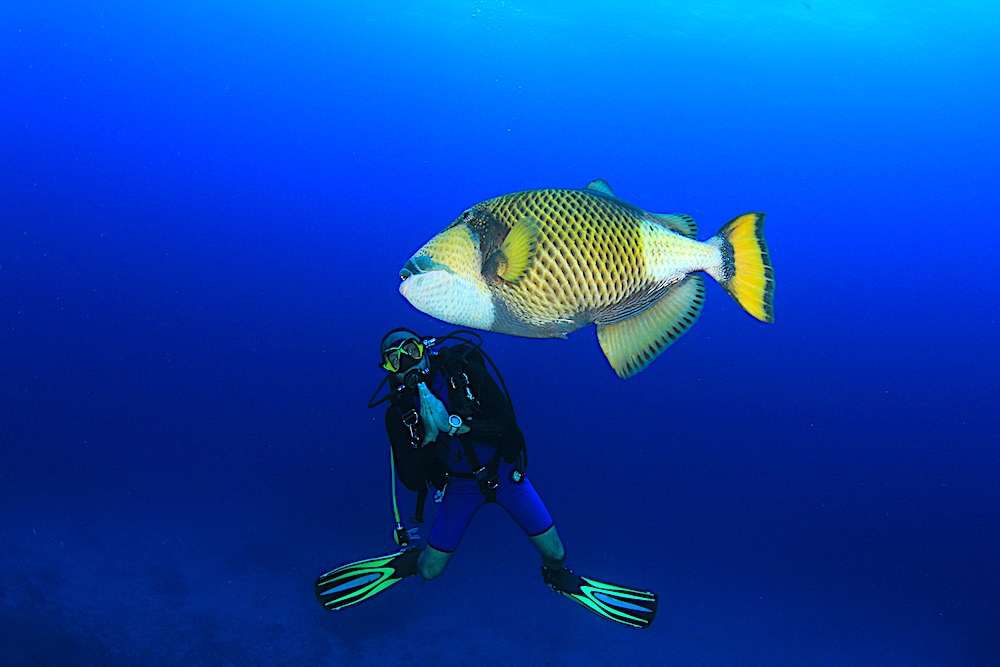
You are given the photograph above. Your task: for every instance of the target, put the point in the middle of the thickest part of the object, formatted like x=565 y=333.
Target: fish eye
x=466 y=215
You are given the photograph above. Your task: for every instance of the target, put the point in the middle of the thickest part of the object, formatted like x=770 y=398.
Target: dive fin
x=615 y=603
x=746 y=271
x=356 y=582
x=632 y=341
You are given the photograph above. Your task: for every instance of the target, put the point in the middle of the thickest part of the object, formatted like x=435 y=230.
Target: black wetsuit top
x=491 y=423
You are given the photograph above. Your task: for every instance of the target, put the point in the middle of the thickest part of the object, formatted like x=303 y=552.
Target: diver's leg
x=518 y=496
x=461 y=501
x=551 y=547
x=433 y=561
x=617 y=603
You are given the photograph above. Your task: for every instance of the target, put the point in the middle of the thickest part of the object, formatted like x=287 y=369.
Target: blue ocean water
x=203 y=209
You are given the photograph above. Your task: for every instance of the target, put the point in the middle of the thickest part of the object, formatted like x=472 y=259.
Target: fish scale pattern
x=589 y=255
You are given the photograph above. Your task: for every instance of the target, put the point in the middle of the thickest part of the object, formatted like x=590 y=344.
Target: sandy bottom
x=88 y=587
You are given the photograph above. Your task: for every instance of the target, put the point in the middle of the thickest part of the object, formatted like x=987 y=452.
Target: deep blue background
x=203 y=208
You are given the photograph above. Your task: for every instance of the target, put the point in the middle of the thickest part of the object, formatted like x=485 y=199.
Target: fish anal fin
x=517 y=252
x=632 y=343
x=601 y=186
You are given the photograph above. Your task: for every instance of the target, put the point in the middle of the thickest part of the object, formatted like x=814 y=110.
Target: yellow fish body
x=543 y=263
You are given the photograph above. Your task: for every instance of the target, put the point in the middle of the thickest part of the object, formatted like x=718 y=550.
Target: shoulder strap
x=409 y=416
x=464 y=401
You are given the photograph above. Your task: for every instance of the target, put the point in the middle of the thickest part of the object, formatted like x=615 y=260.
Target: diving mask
x=394 y=357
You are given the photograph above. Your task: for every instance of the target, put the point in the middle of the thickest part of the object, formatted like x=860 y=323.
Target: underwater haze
x=204 y=207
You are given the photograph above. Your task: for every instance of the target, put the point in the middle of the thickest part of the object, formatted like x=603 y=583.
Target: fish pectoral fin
x=517 y=252
x=632 y=343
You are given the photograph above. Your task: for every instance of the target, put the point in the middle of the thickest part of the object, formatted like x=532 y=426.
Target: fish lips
x=416 y=268
x=417 y=265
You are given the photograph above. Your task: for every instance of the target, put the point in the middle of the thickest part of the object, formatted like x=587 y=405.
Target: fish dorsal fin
x=601 y=186
x=632 y=343
x=517 y=252
x=682 y=224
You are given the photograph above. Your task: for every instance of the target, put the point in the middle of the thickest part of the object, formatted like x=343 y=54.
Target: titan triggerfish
x=543 y=263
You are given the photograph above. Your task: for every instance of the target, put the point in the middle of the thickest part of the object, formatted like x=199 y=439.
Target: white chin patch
x=443 y=295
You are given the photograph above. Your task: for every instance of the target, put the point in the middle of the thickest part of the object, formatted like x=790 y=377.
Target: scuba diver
x=452 y=428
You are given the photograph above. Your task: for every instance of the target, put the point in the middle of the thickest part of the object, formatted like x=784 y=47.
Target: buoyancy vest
x=461 y=400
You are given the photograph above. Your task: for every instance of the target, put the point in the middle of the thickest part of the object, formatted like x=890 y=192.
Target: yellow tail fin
x=746 y=271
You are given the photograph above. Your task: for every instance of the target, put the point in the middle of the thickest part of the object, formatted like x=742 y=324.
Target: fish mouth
x=417 y=265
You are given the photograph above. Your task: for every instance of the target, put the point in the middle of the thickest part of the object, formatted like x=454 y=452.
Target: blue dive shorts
x=463 y=498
